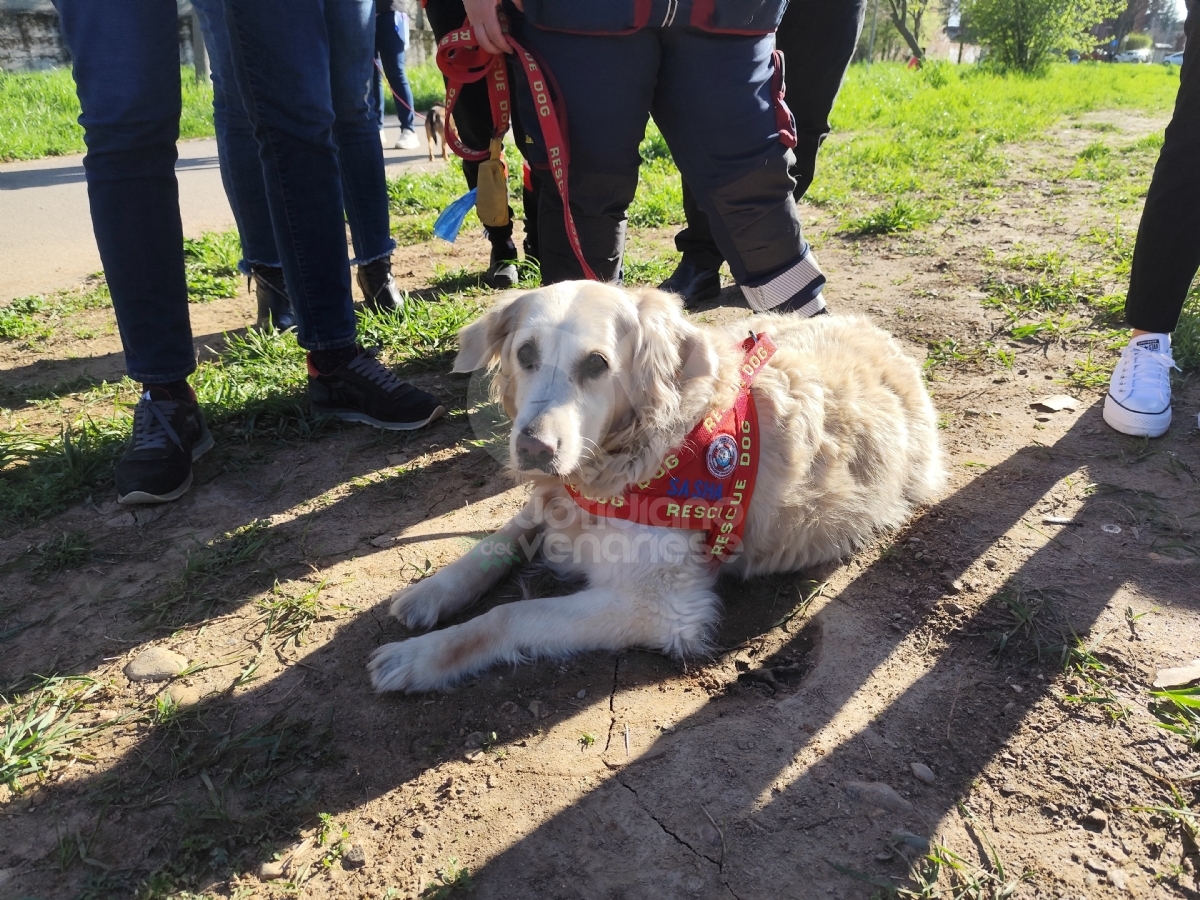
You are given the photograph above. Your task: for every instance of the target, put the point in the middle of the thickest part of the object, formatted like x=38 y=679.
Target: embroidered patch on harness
x=722 y=456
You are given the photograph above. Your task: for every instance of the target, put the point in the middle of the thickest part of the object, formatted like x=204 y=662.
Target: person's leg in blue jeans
x=351 y=30
x=391 y=47
x=283 y=52
x=126 y=67
x=242 y=175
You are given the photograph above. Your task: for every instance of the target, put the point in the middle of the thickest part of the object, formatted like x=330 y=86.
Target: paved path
x=46 y=239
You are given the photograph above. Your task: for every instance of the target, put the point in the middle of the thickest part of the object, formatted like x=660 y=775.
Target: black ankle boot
x=693 y=282
x=274 y=305
x=378 y=286
x=502 y=267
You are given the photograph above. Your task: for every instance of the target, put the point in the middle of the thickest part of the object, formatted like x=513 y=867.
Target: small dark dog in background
x=435 y=129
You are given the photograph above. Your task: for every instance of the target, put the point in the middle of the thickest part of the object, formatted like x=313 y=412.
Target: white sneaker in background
x=383 y=138
x=408 y=140
x=1139 y=395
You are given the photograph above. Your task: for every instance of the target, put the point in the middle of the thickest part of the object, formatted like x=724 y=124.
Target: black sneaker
x=363 y=390
x=378 y=286
x=168 y=436
x=274 y=305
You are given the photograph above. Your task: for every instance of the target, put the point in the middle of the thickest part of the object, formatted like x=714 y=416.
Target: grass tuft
x=897 y=217
x=37 y=728
x=211 y=265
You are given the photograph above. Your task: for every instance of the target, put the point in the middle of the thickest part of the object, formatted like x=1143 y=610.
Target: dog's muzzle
x=534 y=453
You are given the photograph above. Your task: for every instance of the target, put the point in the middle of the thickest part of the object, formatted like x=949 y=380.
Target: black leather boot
x=693 y=283
x=274 y=305
x=502 y=266
x=378 y=286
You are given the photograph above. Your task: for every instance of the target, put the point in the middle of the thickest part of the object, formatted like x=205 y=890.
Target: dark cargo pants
x=713 y=99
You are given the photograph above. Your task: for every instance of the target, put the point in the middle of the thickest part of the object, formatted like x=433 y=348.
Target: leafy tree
x=1024 y=34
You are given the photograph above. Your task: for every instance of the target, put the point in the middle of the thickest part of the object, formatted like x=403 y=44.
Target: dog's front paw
x=410 y=665
x=420 y=605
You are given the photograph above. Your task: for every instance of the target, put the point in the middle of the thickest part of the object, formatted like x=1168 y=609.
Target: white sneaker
x=1139 y=395
x=408 y=140
x=383 y=138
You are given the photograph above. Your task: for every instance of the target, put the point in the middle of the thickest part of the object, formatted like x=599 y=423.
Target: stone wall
x=30 y=38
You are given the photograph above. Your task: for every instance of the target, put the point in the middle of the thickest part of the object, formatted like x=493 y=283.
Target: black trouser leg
x=1167 y=253
x=696 y=240
x=472 y=117
x=817 y=38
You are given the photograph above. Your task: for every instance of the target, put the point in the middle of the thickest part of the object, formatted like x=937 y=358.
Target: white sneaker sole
x=1135 y=424
x=352 y=415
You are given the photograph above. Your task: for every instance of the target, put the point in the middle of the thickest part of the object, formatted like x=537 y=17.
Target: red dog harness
x=463 y=61
x=707 y=482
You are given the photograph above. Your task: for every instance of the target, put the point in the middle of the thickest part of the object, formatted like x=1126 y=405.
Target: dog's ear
x=670 y=350
x=480 y=343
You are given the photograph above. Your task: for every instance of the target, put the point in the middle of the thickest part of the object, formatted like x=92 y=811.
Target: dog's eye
x=527 y=355
x=593 y=366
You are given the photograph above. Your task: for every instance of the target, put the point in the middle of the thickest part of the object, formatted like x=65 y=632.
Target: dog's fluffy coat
x=848 y=446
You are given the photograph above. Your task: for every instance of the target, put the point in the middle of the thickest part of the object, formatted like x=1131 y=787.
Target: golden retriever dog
x=603 y=386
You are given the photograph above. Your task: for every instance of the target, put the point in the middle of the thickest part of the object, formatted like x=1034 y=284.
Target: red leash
x=463 y=61
x=399 y=100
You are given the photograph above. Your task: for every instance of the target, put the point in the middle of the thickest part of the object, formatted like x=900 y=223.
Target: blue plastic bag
x=450 y=221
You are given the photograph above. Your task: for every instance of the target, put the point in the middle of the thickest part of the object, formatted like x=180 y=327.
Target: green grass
x=935 y=139
x=36 y=731
x=907 y=147
x=1049 y=297
x=253 y=392
x=1178 y=711
x=69 y=550
x=896 y=217
x=289 y=616
x=39 y=113
x=211 y=265
x=427 y=85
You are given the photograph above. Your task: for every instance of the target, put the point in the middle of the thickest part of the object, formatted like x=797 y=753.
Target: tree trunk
x=899 y=13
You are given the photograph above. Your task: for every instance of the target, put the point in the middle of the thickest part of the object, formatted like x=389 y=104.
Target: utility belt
x=746 y=17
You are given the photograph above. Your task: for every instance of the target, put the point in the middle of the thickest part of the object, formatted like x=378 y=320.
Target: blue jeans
x=241 y=169
x=126 y=67
x=303 y=69
x=390 y=47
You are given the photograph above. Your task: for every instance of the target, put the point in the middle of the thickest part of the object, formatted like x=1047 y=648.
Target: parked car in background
x=1134 y=56
x=1174 y=59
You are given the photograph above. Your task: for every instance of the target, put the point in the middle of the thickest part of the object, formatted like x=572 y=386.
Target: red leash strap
x=463 y=61
x=785 y=124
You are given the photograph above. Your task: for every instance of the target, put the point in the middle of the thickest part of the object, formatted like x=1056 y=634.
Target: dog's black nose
x=534 y=453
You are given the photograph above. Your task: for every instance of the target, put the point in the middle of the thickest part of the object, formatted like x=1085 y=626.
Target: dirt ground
x=774 y=770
